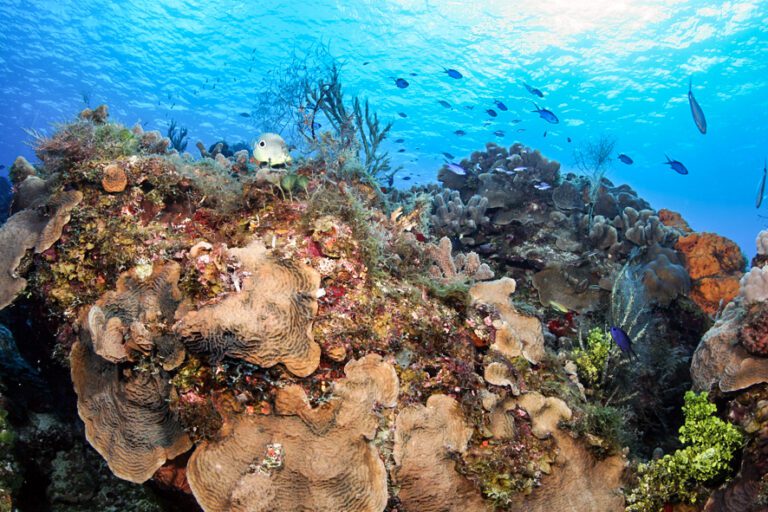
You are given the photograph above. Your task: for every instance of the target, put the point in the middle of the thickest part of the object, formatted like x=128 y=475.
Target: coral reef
x=36 y=228
x=301 y=339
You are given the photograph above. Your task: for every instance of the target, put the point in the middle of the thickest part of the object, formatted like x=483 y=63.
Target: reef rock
x=715 y=265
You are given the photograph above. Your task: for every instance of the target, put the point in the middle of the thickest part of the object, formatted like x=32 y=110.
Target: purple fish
x=622 y=340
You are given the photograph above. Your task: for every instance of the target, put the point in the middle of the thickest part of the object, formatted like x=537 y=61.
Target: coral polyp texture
x=251 y=338
x=300 y=457
x=268 y=321
x=126 y=415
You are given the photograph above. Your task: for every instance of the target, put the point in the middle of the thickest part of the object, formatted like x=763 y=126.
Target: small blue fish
x=520 y=130
x=455 y=168
x=491 y=112
x=533 y=91
x=245 y=114
x=406 y=178
x=625 y=159
x=545 y=134
x=569 y=139
x=460 y=133
x=546 y=115
x=621 y=339
x=500 y=105
x=499 y=133
x=401 y=150
x=453 y=73
x=696 y=112
x=400 y=141
x=469 y=107
x=401 y=83
x=448 y=156
x=515 y=121
x=444 y=103
x=678 y=167
x=402 y=114
x=760 y=187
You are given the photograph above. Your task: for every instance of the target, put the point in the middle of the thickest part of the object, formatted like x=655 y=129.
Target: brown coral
x=302 y=458
x=577 y=481
x=269 y=321
x=126 y=414
x=715 y=265
x=129 y=318
x=517 y=334
x=113 y=178
x=36 y=228
x=425 y=438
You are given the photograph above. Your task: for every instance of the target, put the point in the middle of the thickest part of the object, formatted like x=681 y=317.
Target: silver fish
x=696 y=112
x=455 y=168
x=542 y=186
x=761 y=187
x=520 y=169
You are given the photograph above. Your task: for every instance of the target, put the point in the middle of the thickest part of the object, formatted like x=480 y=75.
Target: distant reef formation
x=214 y=334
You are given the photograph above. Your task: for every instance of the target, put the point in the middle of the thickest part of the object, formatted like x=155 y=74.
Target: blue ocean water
x=605 y=67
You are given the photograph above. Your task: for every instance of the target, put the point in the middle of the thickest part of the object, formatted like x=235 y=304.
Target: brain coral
x=127 y=319
x=269 y=321
x=302 y=458
x=126 y=414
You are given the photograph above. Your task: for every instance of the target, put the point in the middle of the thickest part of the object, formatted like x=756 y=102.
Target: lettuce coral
x=268 y=321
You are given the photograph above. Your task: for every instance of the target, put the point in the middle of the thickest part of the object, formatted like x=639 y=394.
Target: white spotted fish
x=270 y=149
